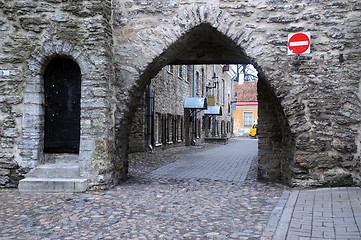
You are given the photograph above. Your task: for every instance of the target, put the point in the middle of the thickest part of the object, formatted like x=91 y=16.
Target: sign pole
x=298 y=61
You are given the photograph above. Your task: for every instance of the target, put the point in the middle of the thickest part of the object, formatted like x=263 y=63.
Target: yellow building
x=243 y=117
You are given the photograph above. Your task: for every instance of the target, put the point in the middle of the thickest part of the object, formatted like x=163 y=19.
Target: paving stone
x=189 y=207
x=337 y=220
x=146 y=208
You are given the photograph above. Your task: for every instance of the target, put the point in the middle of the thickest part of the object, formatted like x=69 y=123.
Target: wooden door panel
x=62 y=106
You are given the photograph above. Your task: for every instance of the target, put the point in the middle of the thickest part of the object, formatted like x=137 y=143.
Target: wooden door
x=62 y=80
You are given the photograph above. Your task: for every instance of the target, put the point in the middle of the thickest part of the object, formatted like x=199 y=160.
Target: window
x=223 y=92
x=247 y=119
x=197 y=83
x=217 y=128
x=158 y=129
x=223 y=128
x=186 y=73
x=170 y=69
x=229 y=104
x=174 y=135
x=182 y=128
x=169 y=129
x=203 y=87
x=179 y=128
x=179 y=71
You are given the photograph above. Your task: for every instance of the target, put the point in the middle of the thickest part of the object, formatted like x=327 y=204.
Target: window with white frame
x=179 y=71
x=170 y=69
x=179 y=128
x=203 y=86
x=247 y=119
x=158 y=128
x=223 y=92
x=170 y=128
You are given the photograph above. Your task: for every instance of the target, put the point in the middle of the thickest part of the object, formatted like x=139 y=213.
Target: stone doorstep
x=55 y=171
x=51 y=185
x=62 y=174
x=63 y=158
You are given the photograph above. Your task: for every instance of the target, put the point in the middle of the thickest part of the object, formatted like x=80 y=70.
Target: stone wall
x=169 y=92
x=311 y=113
x=32 y=33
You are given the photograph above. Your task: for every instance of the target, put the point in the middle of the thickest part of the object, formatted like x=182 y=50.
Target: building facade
x=245 y=111
x=244 y=115
x=162 y=121
x=309 y=106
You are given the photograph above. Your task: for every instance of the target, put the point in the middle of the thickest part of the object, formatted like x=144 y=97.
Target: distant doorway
x=62 y=81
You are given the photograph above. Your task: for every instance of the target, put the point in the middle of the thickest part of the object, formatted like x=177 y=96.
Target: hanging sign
x=299 y=43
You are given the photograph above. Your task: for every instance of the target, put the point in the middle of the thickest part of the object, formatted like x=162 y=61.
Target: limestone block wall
x=31 y=34
x=310 y=113
x=169 y=92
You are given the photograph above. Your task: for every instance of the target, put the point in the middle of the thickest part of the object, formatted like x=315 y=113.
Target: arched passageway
x=203 y=44
x=313 y=111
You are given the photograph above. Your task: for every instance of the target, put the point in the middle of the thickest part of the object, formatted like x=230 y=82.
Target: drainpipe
x=214 y=95
x=194 y=112
x=150 y=116
x=232 y=135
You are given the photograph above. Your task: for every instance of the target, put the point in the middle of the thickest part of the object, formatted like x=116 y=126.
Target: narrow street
x=229 y=162
x=199 y=193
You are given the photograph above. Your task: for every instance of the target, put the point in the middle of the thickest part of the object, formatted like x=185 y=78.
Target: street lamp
x=233 y=107
x=215 y=81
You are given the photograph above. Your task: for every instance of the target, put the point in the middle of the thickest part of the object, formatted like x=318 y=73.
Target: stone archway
x=122 y=44
x=294 y=149
x=204 y=44
x=34 y=104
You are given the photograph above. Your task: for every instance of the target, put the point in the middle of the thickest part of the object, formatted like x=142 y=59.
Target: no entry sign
x=299 y=43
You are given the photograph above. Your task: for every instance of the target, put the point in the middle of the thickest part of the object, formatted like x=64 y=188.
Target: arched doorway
x=204 y=44
x=62 y=81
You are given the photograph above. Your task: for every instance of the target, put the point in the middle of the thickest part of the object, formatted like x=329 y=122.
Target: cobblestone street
x=166 y=199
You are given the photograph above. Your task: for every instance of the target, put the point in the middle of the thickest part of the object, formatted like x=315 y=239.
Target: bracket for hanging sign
x=298 y=62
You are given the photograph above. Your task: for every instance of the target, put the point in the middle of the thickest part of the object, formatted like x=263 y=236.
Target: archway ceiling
x=205 y=45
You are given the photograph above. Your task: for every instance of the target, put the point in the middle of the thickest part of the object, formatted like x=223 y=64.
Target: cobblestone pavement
x=144 y=208
x=178 y=205
x=229 y=162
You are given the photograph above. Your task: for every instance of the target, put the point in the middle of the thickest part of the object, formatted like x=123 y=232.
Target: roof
x=246 y=103
x=246 y=92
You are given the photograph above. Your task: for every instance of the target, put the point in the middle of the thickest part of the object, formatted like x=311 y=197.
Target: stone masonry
x=170 y=87
x=309 y=114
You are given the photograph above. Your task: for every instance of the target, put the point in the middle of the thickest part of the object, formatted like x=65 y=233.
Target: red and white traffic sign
x=299 y=43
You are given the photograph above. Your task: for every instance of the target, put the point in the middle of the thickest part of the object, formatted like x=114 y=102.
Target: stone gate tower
x=309 y=114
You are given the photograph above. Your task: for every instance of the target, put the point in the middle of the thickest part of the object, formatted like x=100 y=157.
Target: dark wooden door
x=62 y=80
